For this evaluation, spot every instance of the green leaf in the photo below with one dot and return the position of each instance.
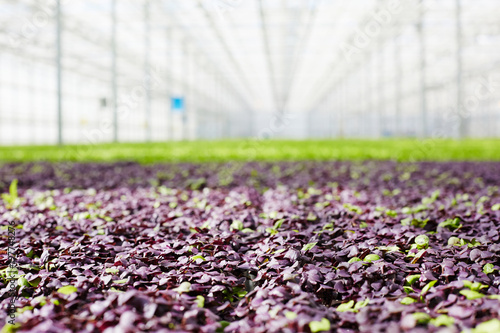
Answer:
(318, 326)
(184, 287)
(390, 249)
(22, 282)
(200, 301)
(113, 289)
(121, 281)
(237, 225)
(490, 326)
(271, 231)
(247, 230)
(67, 290)
(391, 213)
(194, 258)
(422, 242)
(408, 301)
(361, 304)
(239, 292)
(311, 217)
(408, 290)
(474, 286)
(35, 282)
(442, 320)
(406, 221)
(328, 226)
(13, 189)
(12, 198)
(495, 207)
(354, 259)
(9, 273)
(353, 208)
(412, 278)
(473, 243)
(41, 300)
(371, 257)
(9, 328)
(308, 246)
(428, 286)
(421, 317)
(223, 325)
(278, 223)
(26, 308)
(406, 210)
(419, 223)
(471, 294)
(112, 270)
(346, 307)
(451, 224)
(290, 315)
(453, 241)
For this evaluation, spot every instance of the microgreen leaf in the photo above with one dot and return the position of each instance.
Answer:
(371, 257)
(308, 246)
(442, 320)
(471, 294)
(318, 326)
(67, 290)
(408, 301)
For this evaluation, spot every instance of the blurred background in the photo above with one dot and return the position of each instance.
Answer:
(95, 71)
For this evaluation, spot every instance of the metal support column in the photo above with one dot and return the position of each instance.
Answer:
(330, 113)
(398, 85)
(380, 92)
(462, 130)
(423, 76)
(147, 68)
(114, 87)
(371, 93)
(343, 105)
(59, 72)
(191, 93)
(220, 104)
(184, 78)
(170, 83)
(168, 42)
(359, 103)
(365, 108)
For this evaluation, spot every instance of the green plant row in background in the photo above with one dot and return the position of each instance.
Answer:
(262, 150)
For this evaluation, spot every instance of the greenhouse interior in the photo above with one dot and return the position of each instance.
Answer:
(104, 71)
(250, 166)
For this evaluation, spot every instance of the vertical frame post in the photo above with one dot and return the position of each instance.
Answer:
(114, 83)
(458, 20)
(147, 68)
(398, 82)
(423, 76)
(59, 72)
(380, 92)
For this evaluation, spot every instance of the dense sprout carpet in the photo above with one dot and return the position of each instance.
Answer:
(255, 247)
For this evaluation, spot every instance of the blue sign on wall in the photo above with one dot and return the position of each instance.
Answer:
(177, 105)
